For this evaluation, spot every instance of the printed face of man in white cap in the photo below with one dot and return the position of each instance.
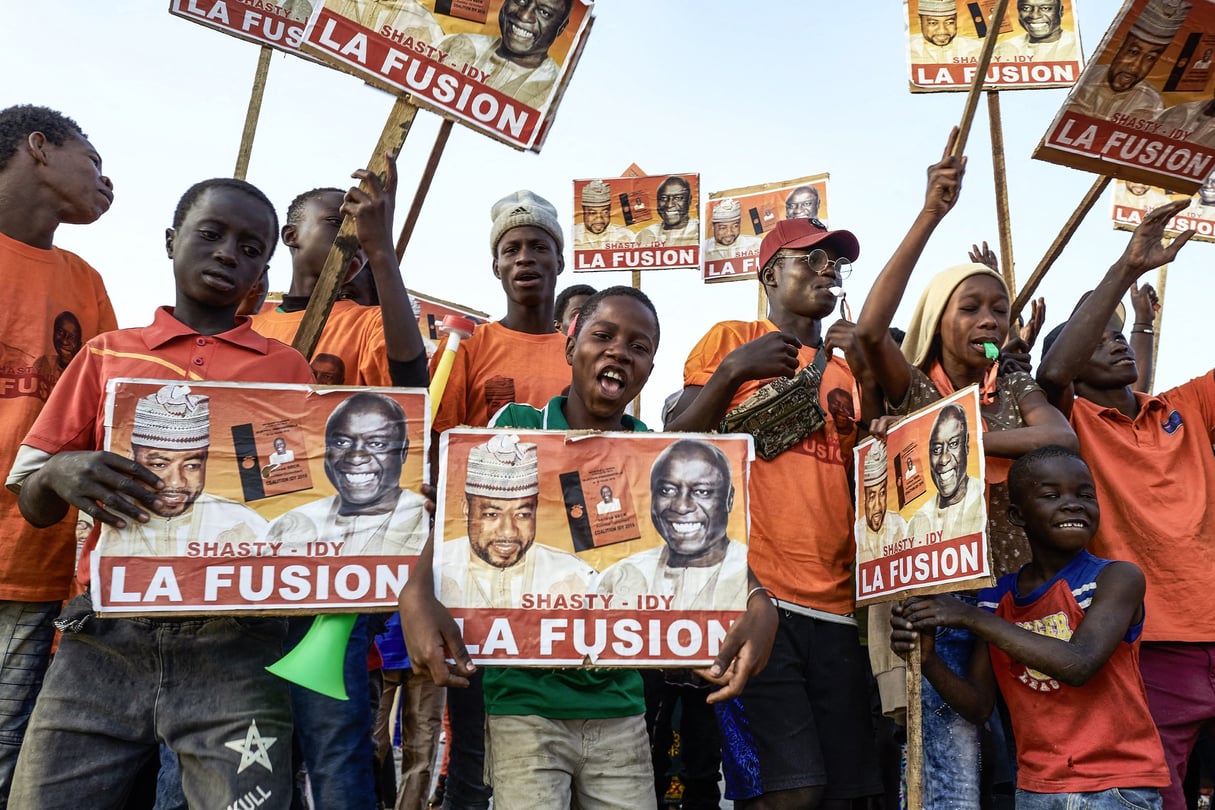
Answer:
(501, 495)
(170, 436)
(875, 487)
(727, 222)
(365, 448)
(1150, 34)
(938, 21)
(596, 206)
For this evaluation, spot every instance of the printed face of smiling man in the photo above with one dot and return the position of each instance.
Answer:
(365, 447)
(948, 449)
(690, 500)
(529, 28)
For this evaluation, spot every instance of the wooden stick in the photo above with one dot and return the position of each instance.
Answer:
(396, 129)
(637, 399)
(1162, 277)
(251, 115)
(761, 302)
(915, 732)
(1056, 247)
(419, 196)
(1003, 220)
(972, 97)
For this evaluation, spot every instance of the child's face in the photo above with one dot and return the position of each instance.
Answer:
(221, 249)
(528, 263)
(1059, 507)
(613, 355)
(73, 170)
(977, 313)
(311, 238)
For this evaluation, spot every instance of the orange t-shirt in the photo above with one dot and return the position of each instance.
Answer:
(1156, 487)
(41, 285)
(498, 366)
(801, 544)
(351, 344)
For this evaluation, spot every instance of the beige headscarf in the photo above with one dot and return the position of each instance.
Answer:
(927, 315)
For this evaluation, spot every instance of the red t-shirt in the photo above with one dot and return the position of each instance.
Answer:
(353, 339)
(74, 417)
(41, 287)
(801, 544)
(1155, 480)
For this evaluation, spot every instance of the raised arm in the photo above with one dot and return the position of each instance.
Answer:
(878, 349)
(1044, 424)
(1075, 344)
(1144, 302)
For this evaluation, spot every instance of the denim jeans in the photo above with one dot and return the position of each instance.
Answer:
(26, 632)
(335, 735)
(1112, 799)
(466, 788)
(119, 687)
(169, 794)
(951, 743)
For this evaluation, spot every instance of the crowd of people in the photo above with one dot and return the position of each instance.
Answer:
(1083, 678)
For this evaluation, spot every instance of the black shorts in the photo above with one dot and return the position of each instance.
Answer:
(808, 712)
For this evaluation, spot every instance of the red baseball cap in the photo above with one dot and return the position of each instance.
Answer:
(804, 233)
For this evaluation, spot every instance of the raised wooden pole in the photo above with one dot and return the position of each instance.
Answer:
(1162, 277)
(976, 86)
(1056, 247)
(396, 129)
(1003, 220)
(915, 731)
(419, 196)
(251, 115)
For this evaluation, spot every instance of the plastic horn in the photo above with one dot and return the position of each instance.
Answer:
(318, 662)
(457, 328)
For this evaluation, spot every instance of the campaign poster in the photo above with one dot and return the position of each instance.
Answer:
(275, 498)
(737, 219)
(431, 312)
(1142, 110)
(497, 66)
(931, 535)
(278, 25)
(1037, 44)
(1133, 201)
(637, 223)
(604, 549)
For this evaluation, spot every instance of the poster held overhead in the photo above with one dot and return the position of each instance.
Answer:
(637, 223)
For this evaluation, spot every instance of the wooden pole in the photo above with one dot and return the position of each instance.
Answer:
(972, 97)
(1003, 220)
(637, 399)
(396, 129)
(1056, 247)
(1162, 277)
(761, 308)
(251, 115)
(915, 732)
(419, 196)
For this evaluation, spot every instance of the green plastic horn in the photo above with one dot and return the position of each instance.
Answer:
(318, 661)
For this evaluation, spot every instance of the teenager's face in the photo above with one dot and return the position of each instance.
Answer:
(365, 449)
(572, 305)
(311, 238)
(221, 248)
(501, 530)
(801, 291)
(1112, 364)
(1059, 507)
(184, 473)
(976, 313)
(613, 355)
(690, 501)
(73, 171)
(528, 263)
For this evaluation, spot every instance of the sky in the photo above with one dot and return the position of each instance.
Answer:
(742, 94)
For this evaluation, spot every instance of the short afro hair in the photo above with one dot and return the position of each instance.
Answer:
(1021, 475)
(295, 211)
(19, 122)
(195, 192)
(619, 291)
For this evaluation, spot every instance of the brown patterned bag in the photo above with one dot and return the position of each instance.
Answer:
(783, 412)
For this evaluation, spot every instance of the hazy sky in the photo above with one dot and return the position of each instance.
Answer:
(743, 94)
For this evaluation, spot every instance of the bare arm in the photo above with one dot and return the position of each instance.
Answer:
(878, 349)
(107, 486)
(972, 696)
(1145, 303)
(1044, 424)
(1075, 345)
(746, 647)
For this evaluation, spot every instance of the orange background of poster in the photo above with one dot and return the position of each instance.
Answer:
(307, 406)
(633, 453)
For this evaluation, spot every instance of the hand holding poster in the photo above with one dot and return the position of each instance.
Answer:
(501, 74)
(609, 549)
(637, 223)
(737, 220)
(935, 541)
(275, 499)
(1141, 109)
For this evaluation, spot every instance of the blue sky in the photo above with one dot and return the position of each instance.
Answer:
(742, 94)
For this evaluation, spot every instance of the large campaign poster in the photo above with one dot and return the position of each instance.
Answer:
(1037, 45)
(1134, 201)
(921, 514)
(646, 222)
(275, 499)
(607, 549)
(277, 25)
(737, 219)
(1142, 110)
(498, 66)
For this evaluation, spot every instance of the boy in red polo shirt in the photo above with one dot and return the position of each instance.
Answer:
(1156, 480)
(119, 687)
